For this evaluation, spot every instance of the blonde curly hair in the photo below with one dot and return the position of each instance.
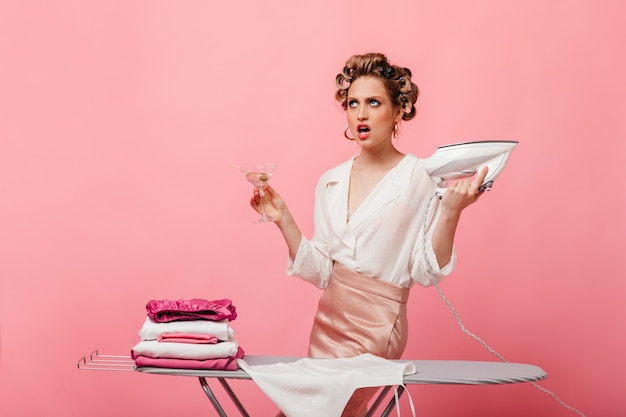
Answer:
(397, 81)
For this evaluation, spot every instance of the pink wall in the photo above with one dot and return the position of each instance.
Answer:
(119, 120)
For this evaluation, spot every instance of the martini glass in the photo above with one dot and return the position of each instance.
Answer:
(259, 175)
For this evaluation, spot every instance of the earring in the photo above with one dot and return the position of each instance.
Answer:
(395, 131)
(345, 133)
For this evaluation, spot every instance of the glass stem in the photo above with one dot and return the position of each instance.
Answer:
(262, 195)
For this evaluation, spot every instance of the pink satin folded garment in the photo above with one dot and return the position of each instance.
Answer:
(187, 338)
(162, 311)
(226, 364)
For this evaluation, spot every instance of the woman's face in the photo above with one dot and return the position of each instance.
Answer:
(371, 114)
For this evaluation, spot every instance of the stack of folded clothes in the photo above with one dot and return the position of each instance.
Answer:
(188, 334)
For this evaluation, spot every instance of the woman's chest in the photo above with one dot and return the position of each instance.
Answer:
(361, 185)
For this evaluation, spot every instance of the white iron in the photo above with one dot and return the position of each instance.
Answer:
(463, 160)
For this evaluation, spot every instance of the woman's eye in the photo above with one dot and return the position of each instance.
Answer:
(352, 103)
(374, 103)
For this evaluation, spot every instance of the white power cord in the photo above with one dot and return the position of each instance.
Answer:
(466, 331)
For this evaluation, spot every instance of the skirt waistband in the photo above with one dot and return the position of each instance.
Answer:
(370, 284)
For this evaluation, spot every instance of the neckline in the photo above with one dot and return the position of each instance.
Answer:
(350, 213)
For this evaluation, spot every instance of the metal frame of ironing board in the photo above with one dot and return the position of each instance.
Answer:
(428, 372)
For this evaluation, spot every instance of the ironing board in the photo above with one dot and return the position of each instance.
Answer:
(428, 372)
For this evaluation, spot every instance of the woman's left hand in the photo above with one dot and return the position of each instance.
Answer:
(463, 193)
(457, 197)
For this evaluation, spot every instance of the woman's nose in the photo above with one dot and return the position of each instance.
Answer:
(362, 113)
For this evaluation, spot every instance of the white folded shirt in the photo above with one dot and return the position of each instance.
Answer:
(174, 350)
(220, 329)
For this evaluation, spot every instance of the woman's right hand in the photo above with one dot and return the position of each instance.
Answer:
(276, 209)
(274, 205)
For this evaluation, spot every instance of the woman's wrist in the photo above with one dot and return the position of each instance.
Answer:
(284, 219)
(449, 216)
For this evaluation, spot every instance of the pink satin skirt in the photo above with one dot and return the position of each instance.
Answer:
(359, 314)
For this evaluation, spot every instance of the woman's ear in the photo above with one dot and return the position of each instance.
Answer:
(399, 113)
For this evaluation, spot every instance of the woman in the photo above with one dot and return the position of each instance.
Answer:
(378, 229)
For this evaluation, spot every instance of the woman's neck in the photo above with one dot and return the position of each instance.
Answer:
(382, 158)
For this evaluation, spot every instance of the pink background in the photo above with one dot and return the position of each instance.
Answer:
(119, 120)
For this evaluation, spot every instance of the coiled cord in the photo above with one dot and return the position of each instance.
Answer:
(469, 333)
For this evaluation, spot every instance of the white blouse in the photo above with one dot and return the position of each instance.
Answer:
(384, 237)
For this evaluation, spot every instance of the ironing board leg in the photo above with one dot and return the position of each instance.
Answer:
(392, 402)
(233, 397)
(209, 393)
(379, 399)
